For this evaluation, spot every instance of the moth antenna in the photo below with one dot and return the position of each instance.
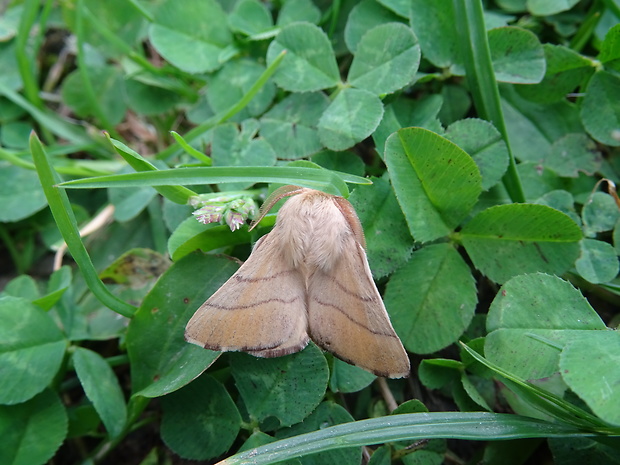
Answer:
(277, 195)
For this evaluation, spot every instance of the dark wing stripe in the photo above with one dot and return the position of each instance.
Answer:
(341, 310)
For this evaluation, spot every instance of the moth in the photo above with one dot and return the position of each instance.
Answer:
(307, 279)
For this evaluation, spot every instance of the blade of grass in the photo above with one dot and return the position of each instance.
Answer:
(21, 265)
(545, 401)
(135, 407)
(176, 194)
(191, 150)
(221, 117)
(334, 15)
(48, 119)
(24, 59)
(118, 43)
(168, 74)
(76, 168)
(320, 179)
(143, 11)
(481, 80)
(65, 220)
(587, 27)
(480, 426)
(83, 67)
(15, 160)
(613, 7)
(158, 226)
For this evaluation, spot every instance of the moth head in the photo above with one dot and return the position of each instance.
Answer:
(275, 197)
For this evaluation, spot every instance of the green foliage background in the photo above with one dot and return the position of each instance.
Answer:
(478, 142)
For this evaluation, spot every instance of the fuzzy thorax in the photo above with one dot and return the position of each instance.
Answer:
(312, 231)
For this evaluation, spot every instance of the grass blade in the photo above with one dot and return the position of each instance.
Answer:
(320, 179)
(546, 401)
(176, 194)
(481, 79)
(220, 118)
(46, 118)
(65, 220)
(478, 426)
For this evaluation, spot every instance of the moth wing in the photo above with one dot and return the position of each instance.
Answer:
(346, 316)
(261, 309)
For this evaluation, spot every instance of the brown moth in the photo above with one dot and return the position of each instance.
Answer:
(307, 279)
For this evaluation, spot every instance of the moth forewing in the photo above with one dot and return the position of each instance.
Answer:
(347, 317)
(348, 212)
(260, 309)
